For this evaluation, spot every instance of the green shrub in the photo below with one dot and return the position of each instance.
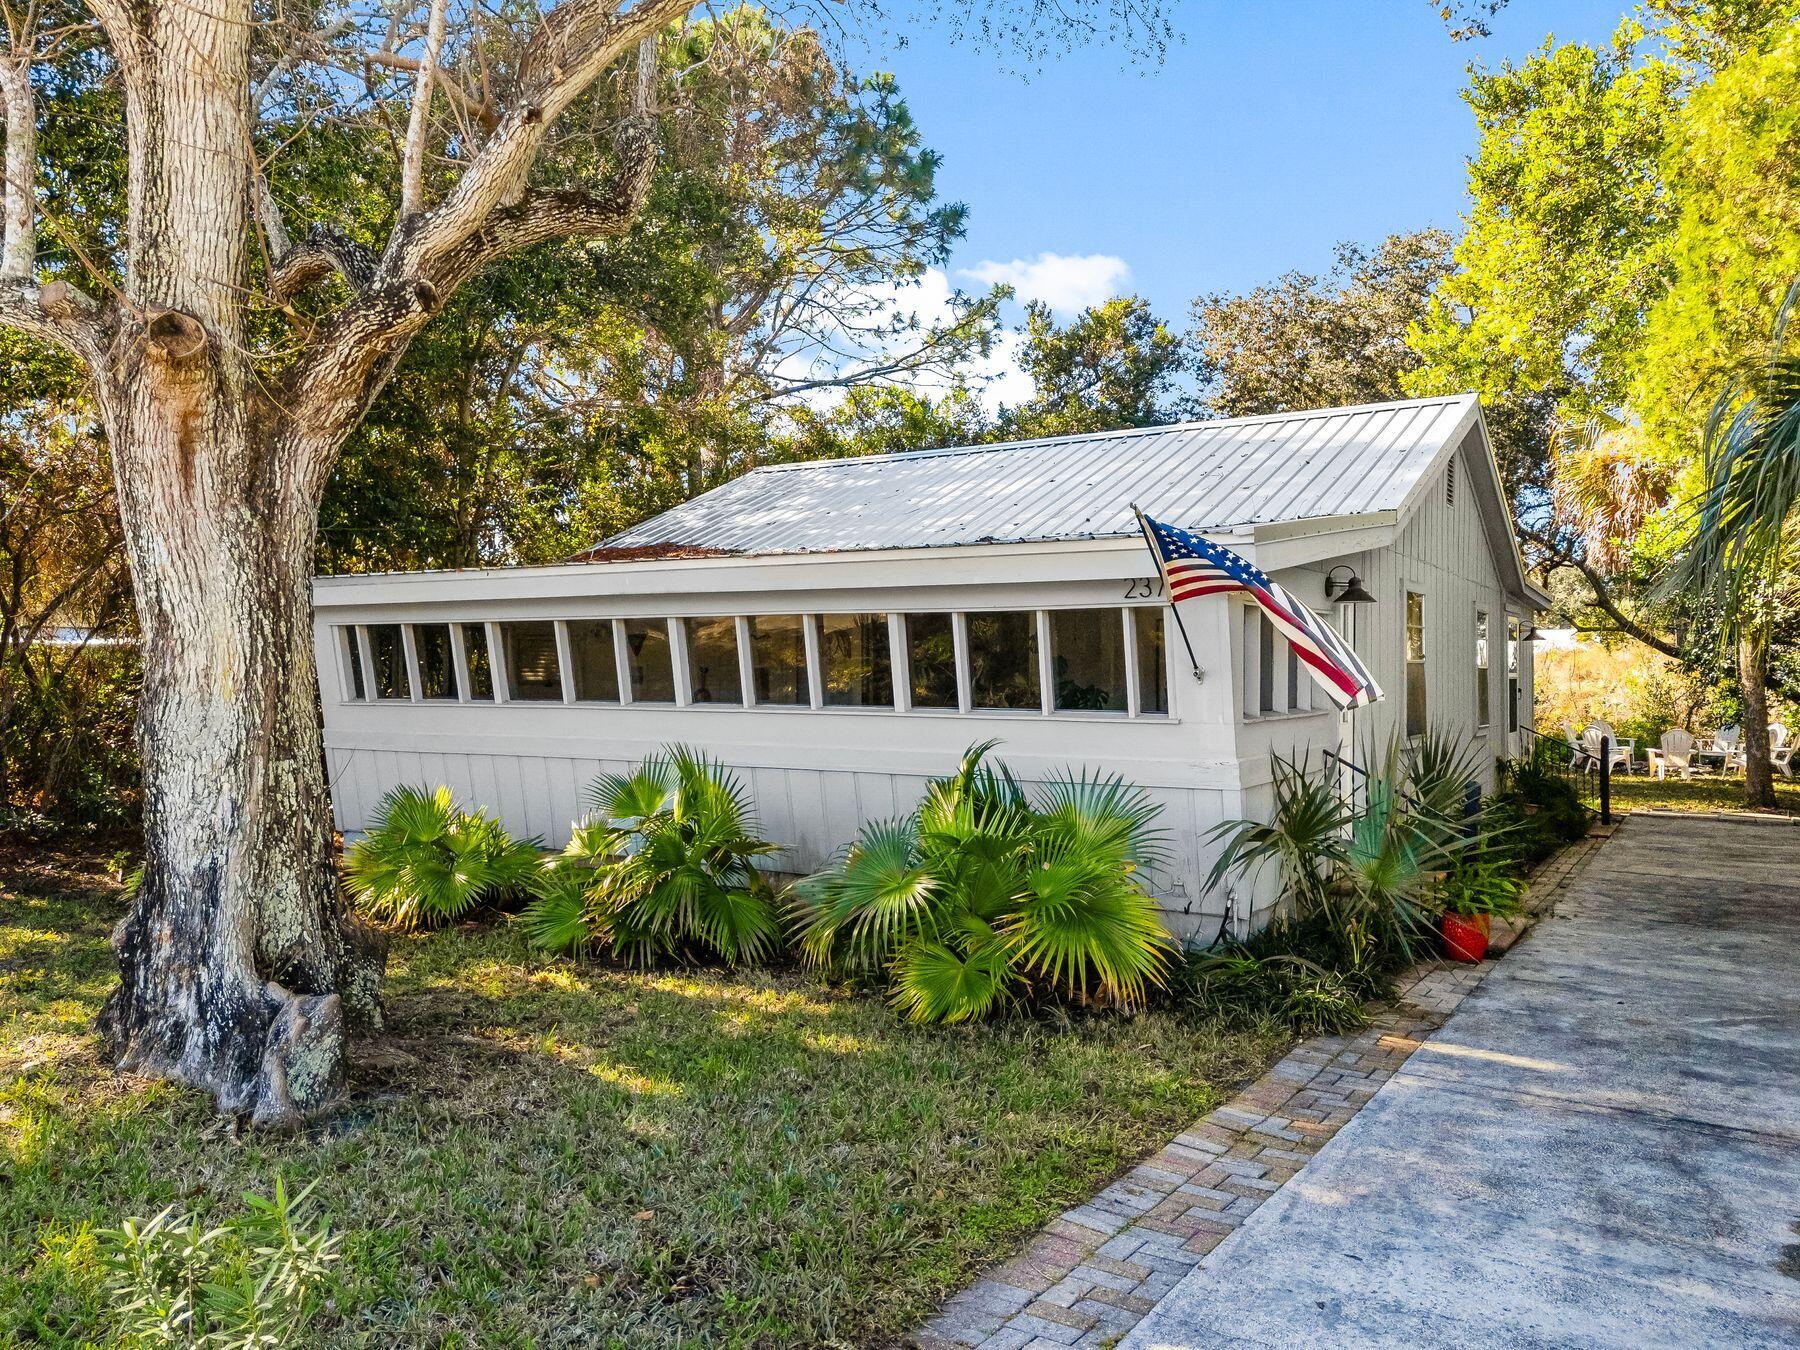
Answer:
(1234, 985)
(662, 867)
(425, 861)
(985, 896)
(253, 1282)
(1538, 804)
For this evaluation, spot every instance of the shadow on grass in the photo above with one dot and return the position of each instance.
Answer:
(550, 1152)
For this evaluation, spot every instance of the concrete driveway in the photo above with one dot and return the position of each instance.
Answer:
(1601, 1147)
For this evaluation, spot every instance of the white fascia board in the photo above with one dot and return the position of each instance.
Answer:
(1075, 560)
(1278, 547)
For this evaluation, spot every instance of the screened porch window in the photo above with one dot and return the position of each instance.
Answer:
(1087, 660)
(1003, 668)
(855, 668)
(475, 655)
(648, 660)
(387, 652)
(532, 672)
(595, 662)
(1415, 664)
(713, 660)
(931, 649)
(437, 664)
(1152, 664)
(359, 688)
(778, 659)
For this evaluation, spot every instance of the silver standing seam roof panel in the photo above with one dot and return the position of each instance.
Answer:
(1220, 476)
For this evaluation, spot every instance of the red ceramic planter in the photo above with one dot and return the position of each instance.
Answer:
(1466, 936)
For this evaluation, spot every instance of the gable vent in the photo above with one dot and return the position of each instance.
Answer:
(1450, 483)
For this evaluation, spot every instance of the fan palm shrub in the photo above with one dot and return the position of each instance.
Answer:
(1370, 874)
(663, 866)
(986, 895)
(426, 861)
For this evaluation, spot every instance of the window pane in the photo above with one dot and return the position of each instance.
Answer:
(1153, 669)
(1295, 680)
(437, 668)
(1087, 659)
(532, 673)
(388, 653)
(1266, 651)
(1415, 664)
(1003, 671)
(713, 660)
(481, 674)
(353, 651)
(647, 657)
(854, 663)
(931, 647)
(596, 665)
(1482, 700)
(778, 659)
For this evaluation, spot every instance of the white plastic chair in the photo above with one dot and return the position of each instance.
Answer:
(1676, 752)
(1730, 740)
(1578, 755)
(1619, 753)
(1780, 752)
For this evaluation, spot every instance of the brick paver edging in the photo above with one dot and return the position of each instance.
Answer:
(1092, 1274)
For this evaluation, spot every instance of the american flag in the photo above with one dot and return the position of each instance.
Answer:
(1193, 567)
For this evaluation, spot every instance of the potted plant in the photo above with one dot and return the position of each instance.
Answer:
(1475, 892)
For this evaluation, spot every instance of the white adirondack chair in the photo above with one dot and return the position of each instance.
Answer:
(1619, 752)
(1780, 752)
(1578, 755)
(1729, 739)
(1676, 752)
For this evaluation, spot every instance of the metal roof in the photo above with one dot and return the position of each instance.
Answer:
(1220, 476)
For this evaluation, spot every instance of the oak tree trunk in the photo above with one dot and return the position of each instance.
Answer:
(240, 971)
(1753, 676)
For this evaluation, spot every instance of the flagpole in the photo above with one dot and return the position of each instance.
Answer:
(1173, 608)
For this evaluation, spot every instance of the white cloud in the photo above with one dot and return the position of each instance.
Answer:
(1066, 284)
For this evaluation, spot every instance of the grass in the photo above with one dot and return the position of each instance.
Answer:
(550, 1154)
(1640, 791)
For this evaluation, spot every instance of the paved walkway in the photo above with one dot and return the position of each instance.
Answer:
(1094, 1272)
(1600, 1147)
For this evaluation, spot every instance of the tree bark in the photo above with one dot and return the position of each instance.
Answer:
(241, 971)
(1753, 675)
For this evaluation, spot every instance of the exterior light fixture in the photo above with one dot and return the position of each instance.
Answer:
(1348, 592)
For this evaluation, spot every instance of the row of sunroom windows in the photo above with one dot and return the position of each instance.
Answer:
(1059, 660)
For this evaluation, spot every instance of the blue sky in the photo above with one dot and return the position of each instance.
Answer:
(1274, 130)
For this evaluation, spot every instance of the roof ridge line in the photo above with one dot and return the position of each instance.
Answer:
(1160, 428)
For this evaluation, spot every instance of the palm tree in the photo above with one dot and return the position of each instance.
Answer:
(1743, 549)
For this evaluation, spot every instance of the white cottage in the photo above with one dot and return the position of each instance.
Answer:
(839, 632)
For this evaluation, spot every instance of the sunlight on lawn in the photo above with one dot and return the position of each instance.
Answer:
(545, 1152)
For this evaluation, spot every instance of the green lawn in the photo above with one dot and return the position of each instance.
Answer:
(1698, 794)
(563, 1155)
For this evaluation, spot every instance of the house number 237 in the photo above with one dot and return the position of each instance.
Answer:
(1144, 588)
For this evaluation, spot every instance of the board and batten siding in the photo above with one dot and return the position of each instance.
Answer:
(1443, 552)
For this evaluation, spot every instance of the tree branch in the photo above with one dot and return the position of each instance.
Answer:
(58, 312)
(418, 127)
(577, 41)
(325, 250)
(18, 255)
